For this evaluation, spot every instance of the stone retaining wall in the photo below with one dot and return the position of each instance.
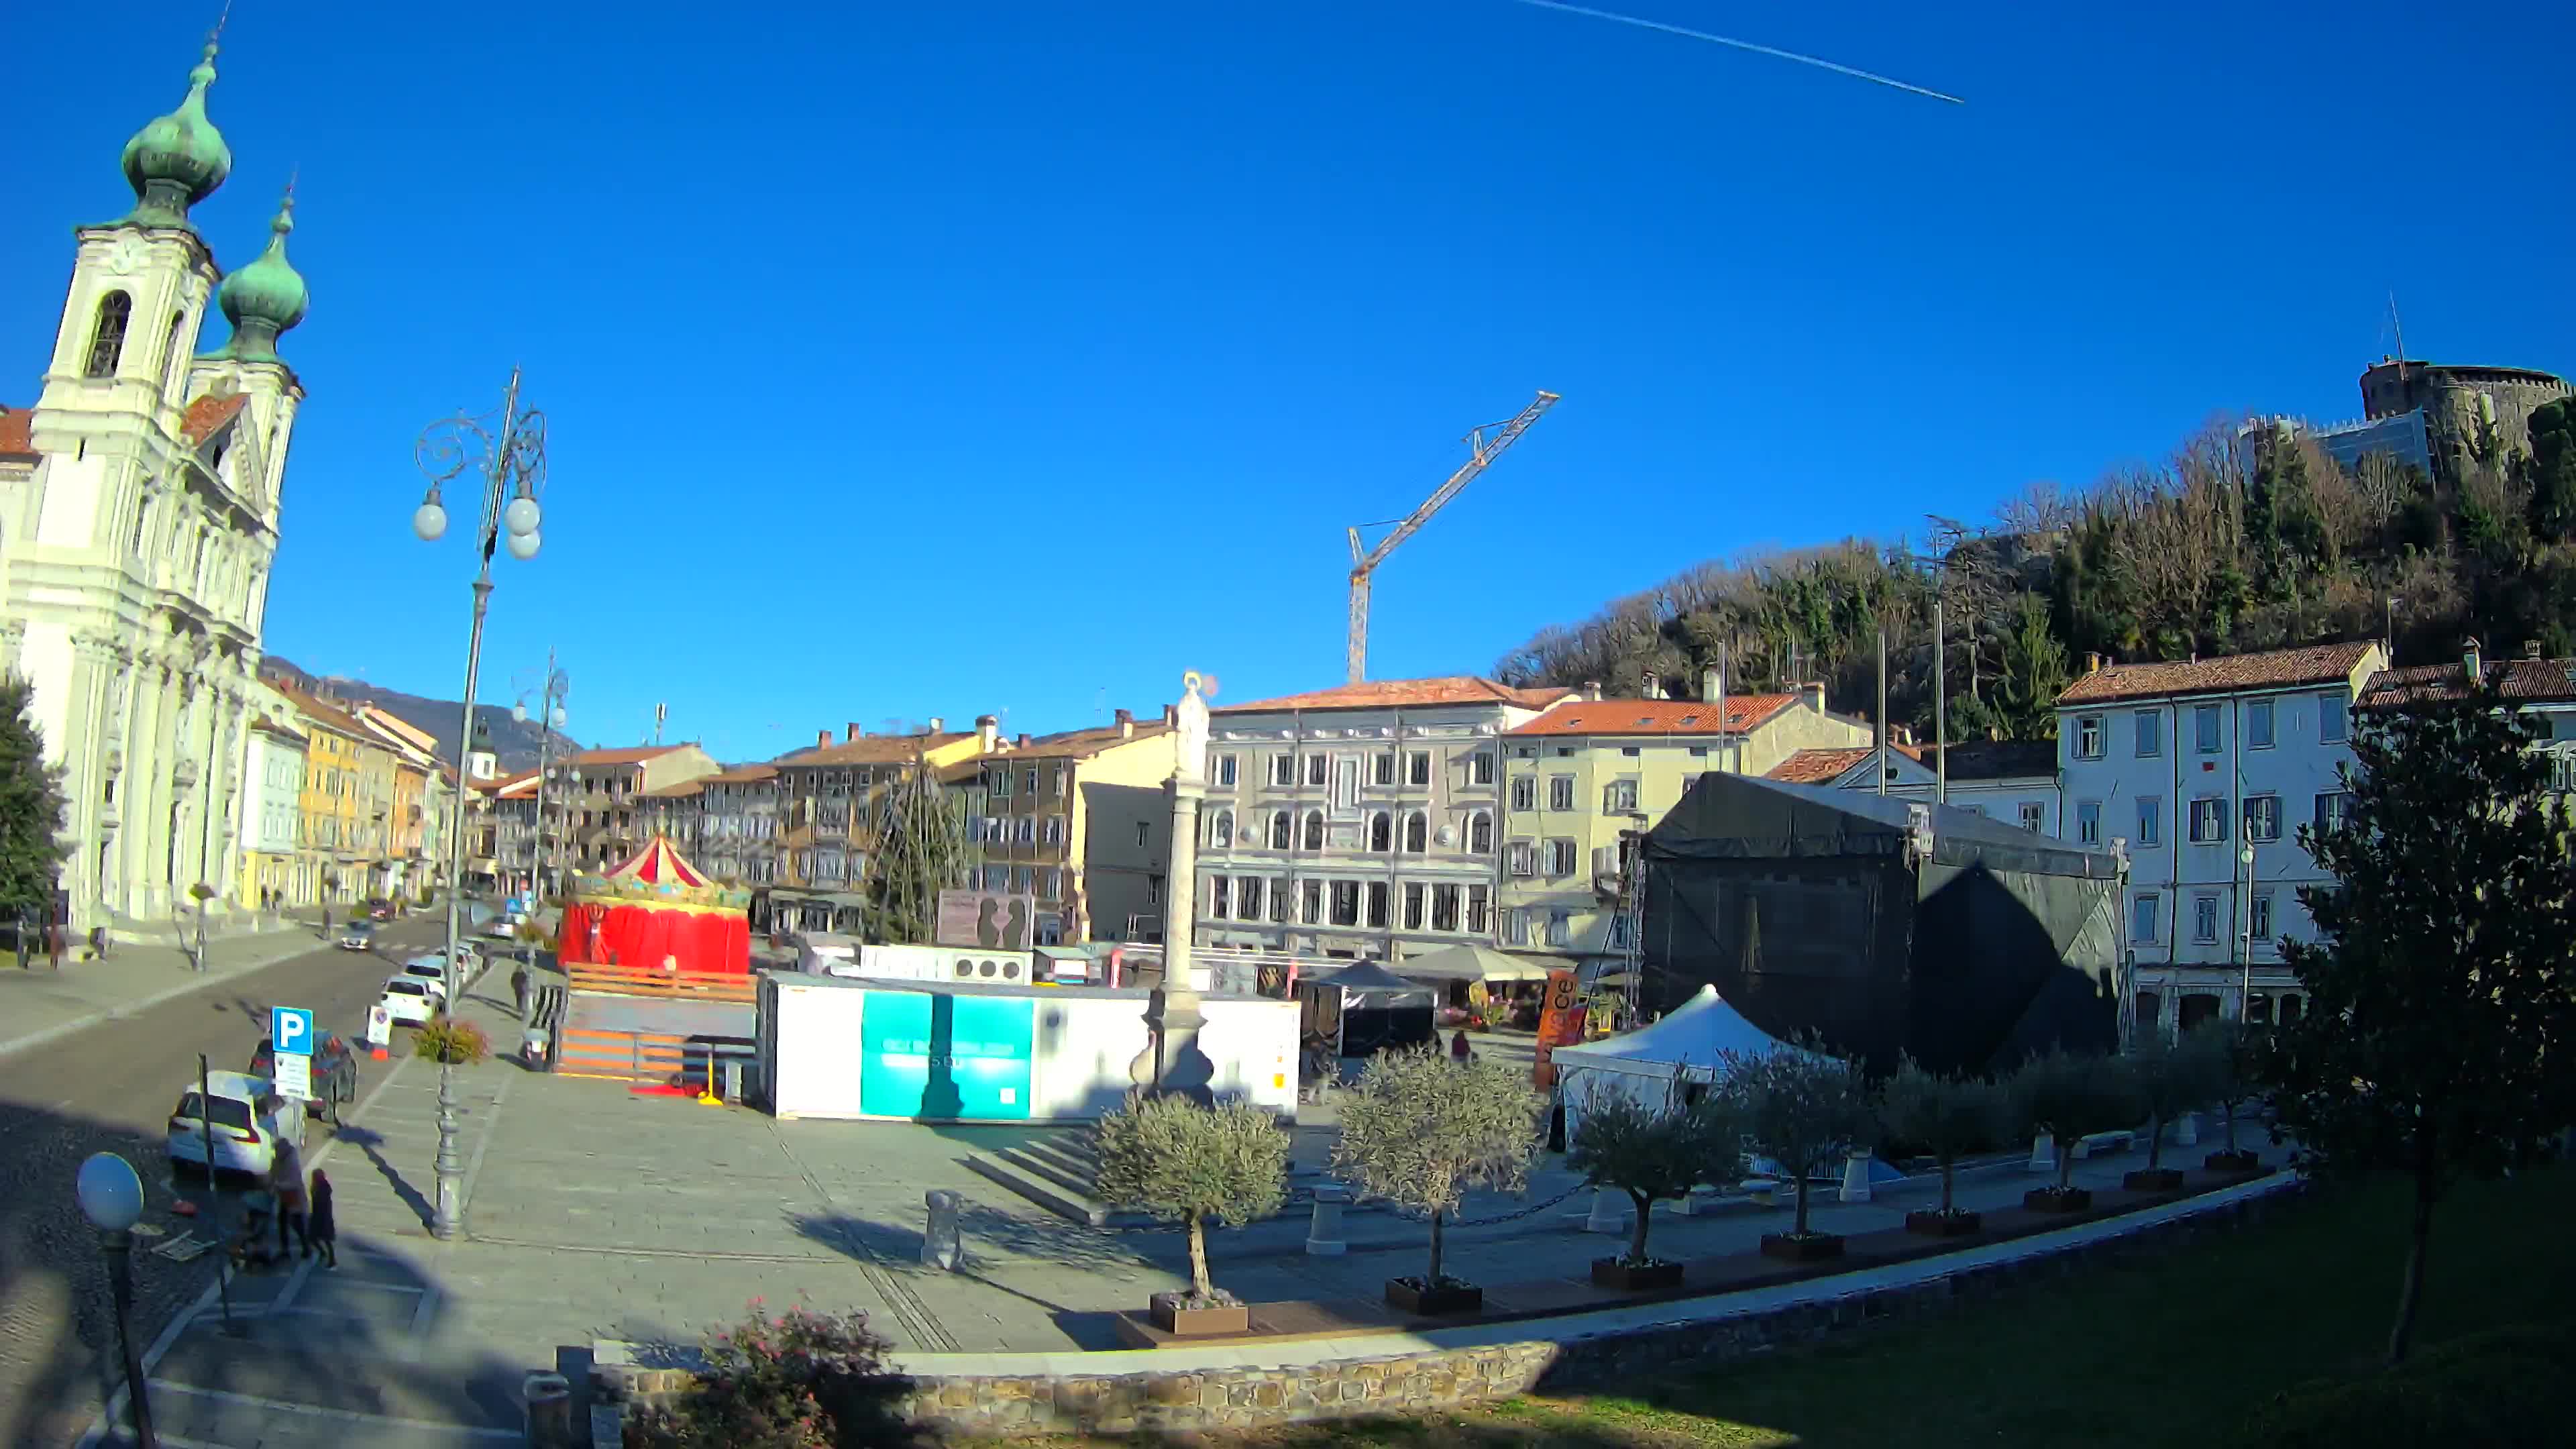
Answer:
(1246, 1398)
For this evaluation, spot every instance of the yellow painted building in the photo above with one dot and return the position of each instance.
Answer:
(345, 773)
(1579, 776)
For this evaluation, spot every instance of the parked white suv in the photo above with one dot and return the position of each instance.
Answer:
(243, 1111)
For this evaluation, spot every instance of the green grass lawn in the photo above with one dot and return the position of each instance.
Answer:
(2173, 1351)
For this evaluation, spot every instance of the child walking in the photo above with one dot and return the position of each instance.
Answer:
(319, 1230)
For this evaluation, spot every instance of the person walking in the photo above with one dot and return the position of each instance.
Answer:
(321, 1232)
(286, 1184)
(519, 988)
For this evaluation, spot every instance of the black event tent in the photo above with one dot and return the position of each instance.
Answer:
(1363, 1009)
(1816, 909)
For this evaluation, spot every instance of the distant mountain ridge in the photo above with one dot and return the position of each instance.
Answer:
(516, 743)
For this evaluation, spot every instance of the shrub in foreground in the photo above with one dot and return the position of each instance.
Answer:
(802, 1380)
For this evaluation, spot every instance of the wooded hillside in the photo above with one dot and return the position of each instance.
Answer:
(2240, 541)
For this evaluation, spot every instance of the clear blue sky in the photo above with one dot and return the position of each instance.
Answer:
(937, 359)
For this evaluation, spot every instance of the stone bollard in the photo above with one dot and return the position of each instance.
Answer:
(2043, 1153)
(1856, 1177)
(2187, 1130)
(549, 1416)
(1324, 1232)
(1608, 1215)
(942, 1246)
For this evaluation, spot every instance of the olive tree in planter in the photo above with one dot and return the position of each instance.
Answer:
(1176, 1159)
(1653, 1153)
(2172, 1078)
(1419, 1130)
(1946, 1117)
(1806, 1111)
(2070, 1098)
(2227, 1059)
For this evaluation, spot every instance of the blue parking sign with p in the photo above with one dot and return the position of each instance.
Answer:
(291, 1028)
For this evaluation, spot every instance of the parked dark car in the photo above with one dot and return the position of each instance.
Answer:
(335, 1071)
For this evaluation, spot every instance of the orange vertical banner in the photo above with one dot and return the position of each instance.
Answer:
(1561, 1021)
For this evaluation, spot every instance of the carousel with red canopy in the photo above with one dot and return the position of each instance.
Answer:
(657, 912)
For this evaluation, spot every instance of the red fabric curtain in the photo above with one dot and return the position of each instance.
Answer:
(641, 936)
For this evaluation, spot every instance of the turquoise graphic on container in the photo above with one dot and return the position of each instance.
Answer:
(943, 1058)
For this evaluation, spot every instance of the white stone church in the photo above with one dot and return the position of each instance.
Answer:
(138, 521)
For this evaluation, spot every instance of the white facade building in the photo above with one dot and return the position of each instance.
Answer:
(2013, 781)
(2207, 769)
(1358, 822)
(138, 519)
(272, 823)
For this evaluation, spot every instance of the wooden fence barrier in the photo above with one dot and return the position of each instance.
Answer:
(713, 986)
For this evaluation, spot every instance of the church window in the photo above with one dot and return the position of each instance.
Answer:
(170, 348)
(107, 338)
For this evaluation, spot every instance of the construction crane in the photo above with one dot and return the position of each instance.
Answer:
(1484, 445)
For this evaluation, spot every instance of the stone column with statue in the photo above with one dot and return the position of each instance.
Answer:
(1172, 1061)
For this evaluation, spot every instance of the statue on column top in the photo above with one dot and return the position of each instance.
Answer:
(1190, 742)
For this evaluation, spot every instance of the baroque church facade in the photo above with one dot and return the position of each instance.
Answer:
(139, 507)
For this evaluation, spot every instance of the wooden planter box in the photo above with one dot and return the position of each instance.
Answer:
(1439, 1302)
(2232, 1162)
(1614, 1274)
(2050, 1200)
(1944, 1225)
(2153, 1179)
(1813, 1248)
(1170, 1315)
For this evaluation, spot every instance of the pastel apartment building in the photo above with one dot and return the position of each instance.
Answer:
(1364, 820)
(1082, 822)
(2206, 769)
(1588, 771)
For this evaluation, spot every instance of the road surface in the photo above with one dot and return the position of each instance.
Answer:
(111, 1088)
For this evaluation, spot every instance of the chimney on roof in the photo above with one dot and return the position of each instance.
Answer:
(1126, 724)
(2530, 648)
(855, 731)
(2092, 662)
(1711, 686)
(1813, 691)
(988, 733)
(1021, 743)
(2472, 662)
(938, 726)
(822, 739)
(1172, 716)
(1592, 690)
(1652, 686)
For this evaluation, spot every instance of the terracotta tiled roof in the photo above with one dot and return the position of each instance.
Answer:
(2279, 669)
(328, 716)
(16, 428)
(1996, 759)
(2535, 681)
(209, 413)
(871, 750)
(635, 756)
(680, 791)
(502, 784)
(1656, 716)
(744, 775)
(1818, 767)
(1083, 744)
(1383, 693)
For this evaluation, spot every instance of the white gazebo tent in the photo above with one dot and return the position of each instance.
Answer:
(1471, 962)
(1687, 1048)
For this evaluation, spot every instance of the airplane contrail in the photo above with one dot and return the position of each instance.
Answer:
(1772, 51)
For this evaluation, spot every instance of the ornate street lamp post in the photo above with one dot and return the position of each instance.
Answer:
(111, 1197)
(505, 455)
